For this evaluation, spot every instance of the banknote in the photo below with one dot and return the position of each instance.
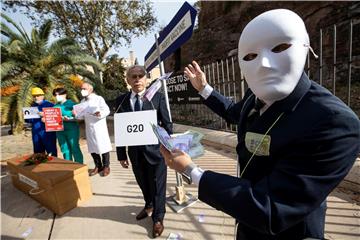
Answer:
(182, 141)
(196, 136)
(163, 136)
(196, 151)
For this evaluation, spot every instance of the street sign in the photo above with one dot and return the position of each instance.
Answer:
(175, 34)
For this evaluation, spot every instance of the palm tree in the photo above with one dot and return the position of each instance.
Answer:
(29, 61)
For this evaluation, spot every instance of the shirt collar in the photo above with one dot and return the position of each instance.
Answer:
(140, 93)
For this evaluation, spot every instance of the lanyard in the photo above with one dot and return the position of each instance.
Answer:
(258, 146)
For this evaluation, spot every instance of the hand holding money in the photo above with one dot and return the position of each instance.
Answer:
(188, 142)
(176, 159)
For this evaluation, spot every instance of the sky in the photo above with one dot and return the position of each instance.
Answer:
(164, 12)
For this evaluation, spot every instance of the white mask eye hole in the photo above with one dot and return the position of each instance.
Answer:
(281, 47)
(250, 56)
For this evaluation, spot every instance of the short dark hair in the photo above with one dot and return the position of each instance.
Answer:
(59, 91)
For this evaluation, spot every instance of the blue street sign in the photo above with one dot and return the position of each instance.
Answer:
(175, 34)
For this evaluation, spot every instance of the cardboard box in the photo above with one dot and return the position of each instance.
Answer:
(59, 185)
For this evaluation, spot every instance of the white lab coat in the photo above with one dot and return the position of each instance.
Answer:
(97, 134)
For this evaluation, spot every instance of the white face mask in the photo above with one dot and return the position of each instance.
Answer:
(84, 93)
(39, 101)
(59, 98)
(272, 53)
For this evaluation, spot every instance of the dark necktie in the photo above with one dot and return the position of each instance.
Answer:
(137, 103)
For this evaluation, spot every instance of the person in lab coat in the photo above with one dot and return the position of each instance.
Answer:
(97, 135)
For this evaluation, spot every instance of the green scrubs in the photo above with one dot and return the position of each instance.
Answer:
(69, 138)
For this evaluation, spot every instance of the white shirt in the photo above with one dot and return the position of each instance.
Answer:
(133, 99)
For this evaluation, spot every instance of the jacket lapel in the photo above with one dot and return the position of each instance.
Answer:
(248, 105)
(126, 103)
(148, 105)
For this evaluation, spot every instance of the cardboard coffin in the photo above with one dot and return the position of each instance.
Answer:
(59, 185)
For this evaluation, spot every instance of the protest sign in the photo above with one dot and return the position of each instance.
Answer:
(181, 91)
(83, 108)
(134, 128)
(31, 112)
(53, 119)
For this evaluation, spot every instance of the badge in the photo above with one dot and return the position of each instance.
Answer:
(258, 142)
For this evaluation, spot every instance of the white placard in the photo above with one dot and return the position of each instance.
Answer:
(31, 112)
(28, 181)
(134, 128)
(83, 108)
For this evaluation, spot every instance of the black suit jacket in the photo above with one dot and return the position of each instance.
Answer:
(313, 146)
(151, 152)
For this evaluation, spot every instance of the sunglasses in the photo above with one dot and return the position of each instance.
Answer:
(135, 76)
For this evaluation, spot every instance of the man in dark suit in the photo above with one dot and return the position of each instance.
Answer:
(147, 163)
(296, 141)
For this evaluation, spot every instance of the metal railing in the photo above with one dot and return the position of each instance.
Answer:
(333, 71)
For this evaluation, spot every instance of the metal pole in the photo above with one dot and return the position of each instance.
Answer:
(350, 62)
(162, 72)
(321, 58)
(334, 62)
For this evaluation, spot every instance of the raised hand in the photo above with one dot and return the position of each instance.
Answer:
(196, 75)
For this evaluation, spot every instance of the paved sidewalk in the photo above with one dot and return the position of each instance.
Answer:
(110, 214)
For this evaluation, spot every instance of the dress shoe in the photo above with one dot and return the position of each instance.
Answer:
(94, 171)
(158, 228)
(146, 212)
(106, 171)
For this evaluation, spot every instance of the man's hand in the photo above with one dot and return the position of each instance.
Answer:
(177, 160)
(41, 114)
(124, 163)
(196, 75)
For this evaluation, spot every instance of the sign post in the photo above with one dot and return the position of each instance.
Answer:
(175, 34)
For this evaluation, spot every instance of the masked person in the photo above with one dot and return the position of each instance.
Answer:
(97, 135)
(296, 141)
(69, 138)
(42, 141)
(147, 163)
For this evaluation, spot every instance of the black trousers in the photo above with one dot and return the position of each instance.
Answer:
(152, 182)
(105, 160)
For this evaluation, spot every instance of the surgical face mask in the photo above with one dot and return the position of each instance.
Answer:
(84, 93)
(272, 53)
(59, 98)
(39, 101)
